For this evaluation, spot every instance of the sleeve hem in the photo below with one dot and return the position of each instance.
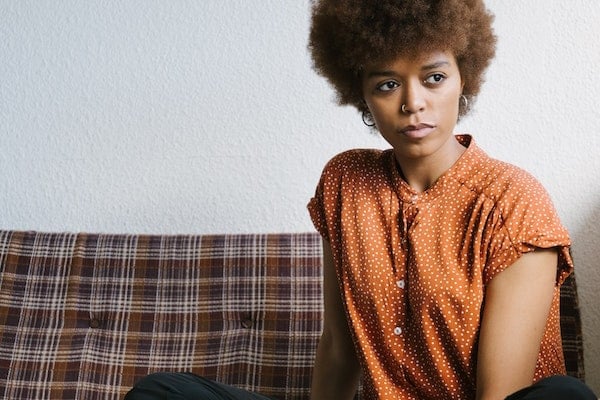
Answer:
(564, 265)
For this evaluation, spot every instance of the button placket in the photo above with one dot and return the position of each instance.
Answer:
(400, 284)
(409, 215)
(407, 220)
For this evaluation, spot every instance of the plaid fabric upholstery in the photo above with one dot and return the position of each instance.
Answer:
(83, 316)
(570, 325)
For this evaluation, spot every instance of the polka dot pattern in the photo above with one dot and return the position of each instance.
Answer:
(413, 267)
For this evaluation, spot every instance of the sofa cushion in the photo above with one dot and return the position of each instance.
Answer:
(84, 316)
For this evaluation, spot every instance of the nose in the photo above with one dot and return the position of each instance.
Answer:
(414, 98)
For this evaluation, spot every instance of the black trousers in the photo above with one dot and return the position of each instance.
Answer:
(185, 386)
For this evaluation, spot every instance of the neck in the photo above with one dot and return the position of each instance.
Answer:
(422, 173)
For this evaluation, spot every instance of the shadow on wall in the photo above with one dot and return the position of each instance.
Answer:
(586, 254)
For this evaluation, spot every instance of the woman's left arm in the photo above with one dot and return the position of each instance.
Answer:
(516, 307)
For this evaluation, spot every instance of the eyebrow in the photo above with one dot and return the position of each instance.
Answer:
(435, 65)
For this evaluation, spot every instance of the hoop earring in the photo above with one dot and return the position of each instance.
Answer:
(367, 119)
(465, 101)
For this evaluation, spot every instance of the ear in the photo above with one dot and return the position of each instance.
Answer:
(364, 107)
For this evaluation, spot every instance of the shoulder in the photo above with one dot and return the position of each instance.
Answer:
(519, 205)
(358, 157)
(357, 162)
(503, 182)
(344, 176)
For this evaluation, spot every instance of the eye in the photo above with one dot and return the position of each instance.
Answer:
(387, 86)
(435, 79)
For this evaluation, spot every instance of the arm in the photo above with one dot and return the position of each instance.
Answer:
(336, 372)
(517, 303)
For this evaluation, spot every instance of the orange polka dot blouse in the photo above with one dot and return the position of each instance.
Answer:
(413, 267)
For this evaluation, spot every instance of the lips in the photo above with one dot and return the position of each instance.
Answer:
(417, 131)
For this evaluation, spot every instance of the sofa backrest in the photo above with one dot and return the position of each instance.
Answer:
(84, 316)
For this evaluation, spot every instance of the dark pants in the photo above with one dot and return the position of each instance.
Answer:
(185, 386)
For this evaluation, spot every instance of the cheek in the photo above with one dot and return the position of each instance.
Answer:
(384, 109)
(384, 120)
(450, 107)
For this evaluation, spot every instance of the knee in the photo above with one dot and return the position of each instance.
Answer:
(153, 386)
(155, 380)
(566, 387)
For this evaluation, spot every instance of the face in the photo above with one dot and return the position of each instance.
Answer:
(415, 102)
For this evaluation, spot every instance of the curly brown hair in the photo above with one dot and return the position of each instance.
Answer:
(345, 35)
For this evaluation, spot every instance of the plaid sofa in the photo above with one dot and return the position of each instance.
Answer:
(84, 316)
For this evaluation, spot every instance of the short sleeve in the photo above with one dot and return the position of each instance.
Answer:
(316, 209)
(326, 193)
(523, 220)
(324, 206)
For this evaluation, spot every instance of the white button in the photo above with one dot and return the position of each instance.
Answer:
(400, 283)
(397, 331)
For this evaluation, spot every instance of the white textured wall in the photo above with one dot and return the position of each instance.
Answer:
(205, 117)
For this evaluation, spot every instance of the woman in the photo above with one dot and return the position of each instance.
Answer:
(442, 266)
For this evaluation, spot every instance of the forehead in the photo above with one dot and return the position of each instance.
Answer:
(418, 61)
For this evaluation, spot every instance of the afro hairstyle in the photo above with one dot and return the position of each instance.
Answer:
(345, 35)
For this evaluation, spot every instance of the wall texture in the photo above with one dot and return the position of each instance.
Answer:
(205, 116)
